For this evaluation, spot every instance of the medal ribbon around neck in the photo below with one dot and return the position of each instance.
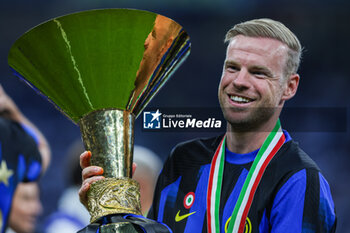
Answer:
(271, 145)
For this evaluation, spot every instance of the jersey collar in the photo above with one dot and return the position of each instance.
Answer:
(238, 159)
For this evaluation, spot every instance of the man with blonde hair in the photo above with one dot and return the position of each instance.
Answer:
(254, 178)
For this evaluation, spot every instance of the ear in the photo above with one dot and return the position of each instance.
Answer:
(167, 45)
(291, 87)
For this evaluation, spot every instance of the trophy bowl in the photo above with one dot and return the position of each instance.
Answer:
(100, 68)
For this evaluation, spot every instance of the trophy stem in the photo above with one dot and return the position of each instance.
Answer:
(108, 134)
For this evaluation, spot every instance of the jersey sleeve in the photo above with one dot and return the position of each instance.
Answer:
(303, 204)
(153, 212)
(164, 186)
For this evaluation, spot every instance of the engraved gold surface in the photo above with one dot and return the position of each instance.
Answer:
(114, 196)
(121, 227)
(109, 135)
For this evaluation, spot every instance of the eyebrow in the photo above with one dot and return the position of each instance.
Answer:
(231, 63)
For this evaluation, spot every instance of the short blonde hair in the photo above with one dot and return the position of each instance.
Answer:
(269, 28)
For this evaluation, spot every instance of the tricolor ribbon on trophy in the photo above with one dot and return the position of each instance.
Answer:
(101, 68)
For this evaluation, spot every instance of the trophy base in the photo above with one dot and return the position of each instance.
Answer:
(113, 196)
(120, 227)
(125, 223)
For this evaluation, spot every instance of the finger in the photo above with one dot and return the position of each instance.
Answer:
(83, 194)
(134, 166)
(89, 181)
(85, 188)
(85, 159)
(91, 171)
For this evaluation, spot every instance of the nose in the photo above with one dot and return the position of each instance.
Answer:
(147, 41)
(241, 80)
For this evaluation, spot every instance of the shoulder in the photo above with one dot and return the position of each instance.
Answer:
(292, 158)
(196, 149)
(292, 169)
(190, 155)
(294, 186)
(289, 166)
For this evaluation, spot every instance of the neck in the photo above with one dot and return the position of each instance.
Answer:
(245, 142)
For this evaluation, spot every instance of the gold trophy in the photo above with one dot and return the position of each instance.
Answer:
(100, 68)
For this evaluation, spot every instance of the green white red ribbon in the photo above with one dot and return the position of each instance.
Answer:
(271, 145)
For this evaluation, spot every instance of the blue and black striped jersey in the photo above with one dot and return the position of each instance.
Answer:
(292, 196)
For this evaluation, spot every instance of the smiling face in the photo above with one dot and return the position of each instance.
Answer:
(253, 88)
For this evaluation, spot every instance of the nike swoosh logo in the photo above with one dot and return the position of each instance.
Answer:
(178, 218)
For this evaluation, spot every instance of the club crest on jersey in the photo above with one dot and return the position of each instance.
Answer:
(247, 228)
(189, 200)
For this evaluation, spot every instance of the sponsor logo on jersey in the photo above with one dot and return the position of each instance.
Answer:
(188, 202)
(247, 228)
(179, 217)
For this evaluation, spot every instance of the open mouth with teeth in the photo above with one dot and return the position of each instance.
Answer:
(239, 99)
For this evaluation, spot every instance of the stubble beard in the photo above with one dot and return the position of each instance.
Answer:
(252, 122)
(251, 119)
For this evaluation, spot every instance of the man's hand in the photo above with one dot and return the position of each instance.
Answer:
(90, 174)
